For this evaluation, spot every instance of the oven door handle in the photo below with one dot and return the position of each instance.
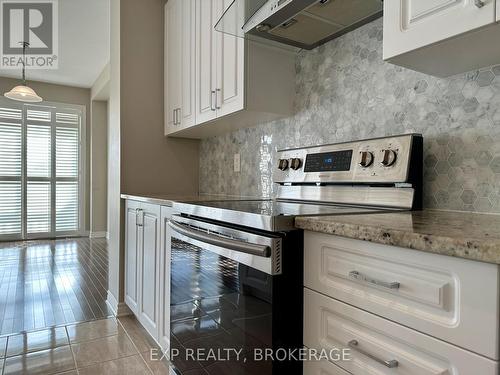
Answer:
(243, 247)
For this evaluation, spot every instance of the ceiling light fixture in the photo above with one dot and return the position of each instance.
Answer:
(23, 93)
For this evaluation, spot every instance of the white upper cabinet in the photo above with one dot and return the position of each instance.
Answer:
(237, 83)
(206, 61)
(440, 37)
(179, 64)
(230, 54)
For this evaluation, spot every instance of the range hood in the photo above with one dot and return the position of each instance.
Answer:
(304, 24)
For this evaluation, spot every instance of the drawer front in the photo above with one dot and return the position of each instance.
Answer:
(431, 293)
(330, 324)
(322, 368)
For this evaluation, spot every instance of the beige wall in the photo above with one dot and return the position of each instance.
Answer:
(141, 159)
(68, 95)
(151, 163)
(99, 168)
(115, 252)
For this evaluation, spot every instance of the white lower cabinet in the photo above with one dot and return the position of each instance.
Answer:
(431, 293)
(322, 368)
(142, 263)
(379, 346)
(398, 311)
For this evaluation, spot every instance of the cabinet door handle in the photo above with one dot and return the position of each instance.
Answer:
(139, 217)
(173, 117)
(363, 278)
(479, 3)
(391, 363)
(218, 91)
(212, 100)
(178, 110)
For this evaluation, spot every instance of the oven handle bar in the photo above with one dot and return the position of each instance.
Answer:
(243, 247)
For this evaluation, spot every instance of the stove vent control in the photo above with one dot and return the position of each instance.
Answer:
(295, 163)
(283, 164)
(389, 157)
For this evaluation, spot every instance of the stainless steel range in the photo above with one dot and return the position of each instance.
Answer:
(237, 265)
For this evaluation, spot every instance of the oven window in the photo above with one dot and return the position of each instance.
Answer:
(221, 307)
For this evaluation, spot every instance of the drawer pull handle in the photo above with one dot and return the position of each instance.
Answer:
(360, 277)
(392, 363)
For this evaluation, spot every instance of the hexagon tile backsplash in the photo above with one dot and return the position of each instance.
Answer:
(345, 91)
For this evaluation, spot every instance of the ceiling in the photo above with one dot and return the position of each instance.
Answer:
(83, 44)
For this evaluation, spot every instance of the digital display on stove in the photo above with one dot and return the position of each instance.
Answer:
(338, 161)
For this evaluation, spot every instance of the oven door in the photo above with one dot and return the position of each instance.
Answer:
(225, 301)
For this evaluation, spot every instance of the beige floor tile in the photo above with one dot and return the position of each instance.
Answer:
(72, 372)
(92, 330)
(139, 336)
(3, 346)
(45, 362)
(133, 365)
(158, 367)
(103, 349)
(36, 341)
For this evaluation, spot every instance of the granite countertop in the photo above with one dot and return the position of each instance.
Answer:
(465, 235)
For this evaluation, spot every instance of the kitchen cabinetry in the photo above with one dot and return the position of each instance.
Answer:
(237, 82)
(179, 64)
(421, 312)
(142, 263)
(441, 37)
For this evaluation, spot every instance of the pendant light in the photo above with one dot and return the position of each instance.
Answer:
(23, 93)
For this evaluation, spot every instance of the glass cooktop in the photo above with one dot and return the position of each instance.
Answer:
(281, 208)
(270, 215)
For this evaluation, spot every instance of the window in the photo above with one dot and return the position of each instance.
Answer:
(41, 187)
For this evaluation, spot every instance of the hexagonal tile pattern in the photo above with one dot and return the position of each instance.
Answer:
(470, 105)
(485, 78)
(483, 157)
(344, 91)
(468, 196)
(495, 164)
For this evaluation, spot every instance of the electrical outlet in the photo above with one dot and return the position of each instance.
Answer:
(237, 162)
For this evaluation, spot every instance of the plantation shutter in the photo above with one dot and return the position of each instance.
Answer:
(10, 171)
(40, 170)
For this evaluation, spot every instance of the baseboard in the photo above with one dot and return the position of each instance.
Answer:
(98, 235)
(117, 308)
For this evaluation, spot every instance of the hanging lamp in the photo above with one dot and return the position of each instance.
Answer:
(23, 93)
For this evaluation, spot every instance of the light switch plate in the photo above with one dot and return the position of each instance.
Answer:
(237, 162)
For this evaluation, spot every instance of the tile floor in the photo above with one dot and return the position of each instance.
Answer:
(107, 346)
(51, 283)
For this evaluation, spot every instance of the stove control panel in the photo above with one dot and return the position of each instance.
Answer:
(380, 160)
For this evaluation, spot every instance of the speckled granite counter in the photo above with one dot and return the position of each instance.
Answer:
(465, 235)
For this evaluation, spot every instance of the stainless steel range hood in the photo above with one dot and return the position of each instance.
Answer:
(300, 23)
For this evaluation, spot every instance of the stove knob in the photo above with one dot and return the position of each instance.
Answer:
(366, 159)
(283, 164)
(389, 158)
(295, 163)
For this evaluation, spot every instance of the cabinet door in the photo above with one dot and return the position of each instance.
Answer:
(131, 256)
(206, 72)
(186, 115)
(411, 24)
(230, 69)
(498, 10)
(165, 255)
(149, 273)
(173, 53)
